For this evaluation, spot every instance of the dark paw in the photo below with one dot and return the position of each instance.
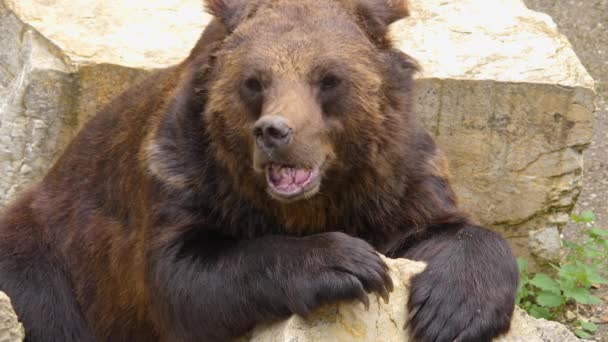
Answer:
(339, 268)
(448, 305)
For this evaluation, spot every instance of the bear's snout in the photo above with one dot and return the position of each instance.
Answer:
(272, 132)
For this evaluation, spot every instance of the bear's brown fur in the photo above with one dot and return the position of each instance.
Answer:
(255, 180)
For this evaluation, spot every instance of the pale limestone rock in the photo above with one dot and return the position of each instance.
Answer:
(501, 90)
(525, 328)
(508, 100)
(44, 96)
(36, 98)
(499, 40)
(10, 328)
(384, 322)
(545, 244)
(134, 33)
(350, 321)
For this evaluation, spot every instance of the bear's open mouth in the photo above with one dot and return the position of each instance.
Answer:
(290, 182)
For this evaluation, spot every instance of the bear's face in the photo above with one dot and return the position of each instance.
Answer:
(297, 96)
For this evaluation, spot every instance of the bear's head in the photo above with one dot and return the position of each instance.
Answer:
(308, 97)
(299, 109)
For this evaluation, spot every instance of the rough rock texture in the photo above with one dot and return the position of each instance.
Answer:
(384, 322)
(36, 98)
(10, 328)
(545, 245)
(510, 103)
(501, 90)
(134, 33)
(587, 30)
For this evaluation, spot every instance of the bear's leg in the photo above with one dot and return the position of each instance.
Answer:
(35, 281)
(215, 289)
(467, 292)
(42, 298)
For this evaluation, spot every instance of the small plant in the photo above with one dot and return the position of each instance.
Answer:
(547, 296)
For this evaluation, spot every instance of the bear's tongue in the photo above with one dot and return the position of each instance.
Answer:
(287, 178)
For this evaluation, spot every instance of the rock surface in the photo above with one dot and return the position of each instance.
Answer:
(36, 97)
(134, 33)
(384, 322)
(545, 244)
(509, 102)
(501, 90)
(10, 328)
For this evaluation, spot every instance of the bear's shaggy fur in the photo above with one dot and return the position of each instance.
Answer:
(255, 180)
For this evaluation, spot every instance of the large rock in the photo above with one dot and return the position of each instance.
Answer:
(384, 322)
(10, 328)
(510, 103)
(501, 90)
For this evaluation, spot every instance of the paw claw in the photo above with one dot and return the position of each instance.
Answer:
(365, 301)
(384, 294)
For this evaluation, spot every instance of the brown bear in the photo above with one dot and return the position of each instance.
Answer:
(255, 180)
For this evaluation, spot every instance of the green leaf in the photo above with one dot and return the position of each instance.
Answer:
(556, 267)
(581, 295)
(571, 271)
(595, 278)
(549, 299)
(589, 326)
(527, 305)
(598, 232)
(538, 312)
(587, 216)
(578, 294)
(522, 264)
(582, 334)
(544, 282)
(593, 300)
(576, 218)
(592, 253)
(568, 244)
(521, 293)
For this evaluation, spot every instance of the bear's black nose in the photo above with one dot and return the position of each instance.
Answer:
(272, 132)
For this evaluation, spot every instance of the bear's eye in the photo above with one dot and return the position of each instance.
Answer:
(329, 82)
(254, 85)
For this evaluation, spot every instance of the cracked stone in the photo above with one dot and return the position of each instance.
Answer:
(10, 328)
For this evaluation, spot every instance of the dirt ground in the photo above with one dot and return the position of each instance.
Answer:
(585, 23)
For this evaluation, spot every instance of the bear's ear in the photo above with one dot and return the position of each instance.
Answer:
(376, 15)
(230, 12)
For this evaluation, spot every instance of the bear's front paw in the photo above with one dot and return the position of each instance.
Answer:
(446, 306)
(343, 268)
